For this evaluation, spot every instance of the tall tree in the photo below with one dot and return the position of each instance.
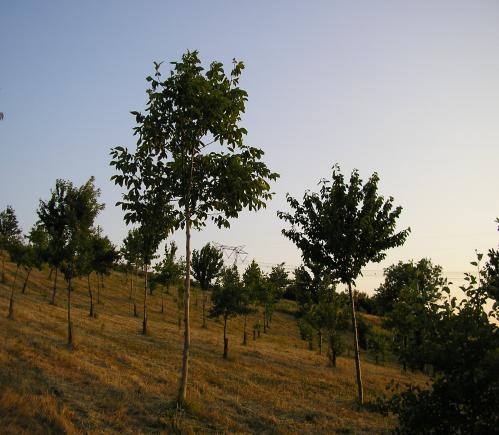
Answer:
(206, 265)
(9, 233)
(344, 227)
(228, 300)
(185, 114)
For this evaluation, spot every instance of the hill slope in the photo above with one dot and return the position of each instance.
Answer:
(117, 380)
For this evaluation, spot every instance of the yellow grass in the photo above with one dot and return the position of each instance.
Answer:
(119, 381)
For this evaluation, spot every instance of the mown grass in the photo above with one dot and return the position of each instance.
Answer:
(116, 380)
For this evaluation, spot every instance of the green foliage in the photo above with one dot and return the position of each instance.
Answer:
(378, 342)
(228, 297)
(68, 217)
(423, 277)
(173, 178)
(464, 350)
(171, 168)
(344, 226)
(206, 265)
(320, 307)
(412, 292)
(9, 227)
(169, 271)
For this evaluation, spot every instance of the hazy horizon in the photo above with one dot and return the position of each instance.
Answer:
(408, 90)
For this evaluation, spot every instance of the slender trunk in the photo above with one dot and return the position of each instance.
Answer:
(11, 302)
(264, 321)
(204, 307)
(131, 288)
(245, 334)
(162, 301)
(187, 331)
(98, 290)
(254, 334)
(356, 346)
(144, 321)
(3, 267)
(404, 344)
(55, 287)
(50, 274)
(70, 325)
(182, 392)
(91, 314)
(311, 343)
(25, 284)
(226, 340)
(320, 342)
(334, 358)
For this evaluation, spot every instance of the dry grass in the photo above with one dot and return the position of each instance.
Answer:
(117, 380)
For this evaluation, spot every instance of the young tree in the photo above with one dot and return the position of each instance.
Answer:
(76, 211)
(228, 300)
(463, 397)
(186, 112)
(169, 271)
(344, 227)
(408, 299)
(206, 265)
(36, 254)
(9, 233)
(53, 217)
(18, 252)
(254, 285)
(130, 253)
(276, 282)
(423, 276)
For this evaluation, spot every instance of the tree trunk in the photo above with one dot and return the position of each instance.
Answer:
(25, 284)
(226, 340)
(162, 301)
(254, 334)
(144, 321)
(204, 307)
(55, 287)
(98, 290)
(11, 302)
(404, 362)
(50, 274)
(356, 346)
(187, 289)
(70, 325)
(264, 321)
(91, 314)
(320, 342)
(245, 334)
(3, 267)
(333, 358)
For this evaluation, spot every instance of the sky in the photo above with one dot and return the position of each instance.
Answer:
(407, 89)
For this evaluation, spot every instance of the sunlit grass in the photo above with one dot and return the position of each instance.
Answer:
(117, 380)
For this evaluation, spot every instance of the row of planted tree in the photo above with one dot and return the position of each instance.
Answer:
(191, 165)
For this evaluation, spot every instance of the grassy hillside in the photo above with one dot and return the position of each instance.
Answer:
(117, 380)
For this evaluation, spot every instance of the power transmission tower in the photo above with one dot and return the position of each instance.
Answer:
(235, 252)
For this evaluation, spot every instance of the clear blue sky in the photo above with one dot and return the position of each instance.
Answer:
(408, 89)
